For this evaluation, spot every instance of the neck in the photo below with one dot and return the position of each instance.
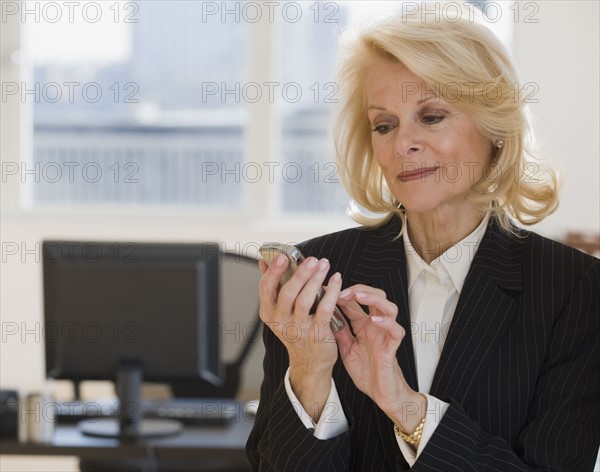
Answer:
(434, 232)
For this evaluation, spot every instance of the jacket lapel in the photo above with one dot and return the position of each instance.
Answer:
(484, 311)
(383, 265)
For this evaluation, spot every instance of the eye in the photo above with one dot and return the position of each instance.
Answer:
(431, 119)
(382, 129)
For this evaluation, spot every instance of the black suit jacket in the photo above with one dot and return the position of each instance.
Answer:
(520, 367)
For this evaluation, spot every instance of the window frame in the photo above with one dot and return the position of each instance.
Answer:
(260, 206)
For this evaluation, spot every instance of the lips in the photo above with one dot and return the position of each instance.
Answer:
(416, 174)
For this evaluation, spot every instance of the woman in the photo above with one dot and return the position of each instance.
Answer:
(471, 344)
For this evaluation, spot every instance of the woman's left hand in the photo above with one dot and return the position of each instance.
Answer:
(370, 355)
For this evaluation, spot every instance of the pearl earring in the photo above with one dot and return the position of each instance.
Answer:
(499, 143)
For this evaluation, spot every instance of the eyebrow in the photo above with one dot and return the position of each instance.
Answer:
(428, 98)
(423, 100)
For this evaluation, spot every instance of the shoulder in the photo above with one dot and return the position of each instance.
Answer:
(549, 264)
(348, 240)
(341, 245)
(556, 257)
(344, 248)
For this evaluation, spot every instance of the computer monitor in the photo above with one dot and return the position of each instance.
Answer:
(130, 310)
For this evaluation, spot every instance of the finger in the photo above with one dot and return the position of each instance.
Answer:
(313, 287)
(262, 265)
(382, 335)
(269, 283)
(352, 309)
(328, 302)
(394, 331)
(291, 289)
(367, 289)
(374, 300)
(345, 340)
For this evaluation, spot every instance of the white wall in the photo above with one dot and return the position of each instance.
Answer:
(560, 53)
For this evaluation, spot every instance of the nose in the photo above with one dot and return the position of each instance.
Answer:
(408, 141)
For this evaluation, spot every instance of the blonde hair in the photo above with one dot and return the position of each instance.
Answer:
(462, 59)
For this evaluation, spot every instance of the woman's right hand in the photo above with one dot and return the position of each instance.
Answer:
(308, 338)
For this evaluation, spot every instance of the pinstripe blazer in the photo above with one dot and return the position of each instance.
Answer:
(520, 367)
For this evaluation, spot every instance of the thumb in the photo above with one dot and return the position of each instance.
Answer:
(345, 340)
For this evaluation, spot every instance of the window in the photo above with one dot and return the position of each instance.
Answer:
(202, 105)
(127, 108)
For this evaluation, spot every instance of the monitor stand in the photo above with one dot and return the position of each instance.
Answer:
(130, 424)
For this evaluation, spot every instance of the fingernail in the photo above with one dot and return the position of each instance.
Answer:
(323, 264)
(377, 319)
(345, 293)
(360, 295)
(312, 263)
(337, 277)
(280, 260)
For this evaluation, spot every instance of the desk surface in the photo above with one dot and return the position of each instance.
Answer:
(195, 443)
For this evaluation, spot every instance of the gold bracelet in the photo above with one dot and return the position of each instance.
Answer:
(413, 438)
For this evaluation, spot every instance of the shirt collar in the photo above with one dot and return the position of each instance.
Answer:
(454, 263)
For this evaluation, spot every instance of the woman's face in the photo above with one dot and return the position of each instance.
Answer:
(428, 149)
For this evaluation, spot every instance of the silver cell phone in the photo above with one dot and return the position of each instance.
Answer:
(270, 251)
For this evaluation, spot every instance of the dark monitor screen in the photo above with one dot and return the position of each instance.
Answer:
(154, 304)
